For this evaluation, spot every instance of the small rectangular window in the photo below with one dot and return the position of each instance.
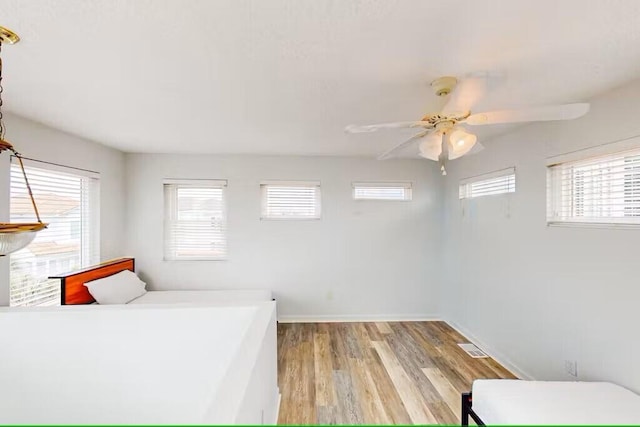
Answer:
(195, 224)
(382, 191)
(599, 190)
(498, 182)
(290, 200)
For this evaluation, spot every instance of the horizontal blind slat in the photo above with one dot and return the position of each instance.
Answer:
(501, 184)
(603, 189)
(69, 203)
(195, 220)
(382, 191)
(290, 201)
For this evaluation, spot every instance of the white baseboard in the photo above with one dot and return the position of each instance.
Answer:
(333, 318)
(277, 414)
(496, 355)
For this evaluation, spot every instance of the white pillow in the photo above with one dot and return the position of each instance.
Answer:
(118, 288)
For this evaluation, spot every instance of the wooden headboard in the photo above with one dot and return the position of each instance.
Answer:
(72, 289)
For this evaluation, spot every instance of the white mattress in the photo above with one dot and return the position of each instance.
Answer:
(554, 402)
(178, 364)
(203, 297)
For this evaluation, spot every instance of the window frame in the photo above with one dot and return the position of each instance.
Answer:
(87, 222)
(465, 186)
(264, 185)
(407, 186)
(604, 154)
(173, 185)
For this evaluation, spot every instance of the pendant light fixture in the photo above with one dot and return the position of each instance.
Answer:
(15, 236)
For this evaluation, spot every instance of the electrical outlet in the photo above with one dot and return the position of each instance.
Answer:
(571, 367)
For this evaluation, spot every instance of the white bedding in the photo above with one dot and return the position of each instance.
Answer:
(150, 364)
(203, 297)
(554, 402)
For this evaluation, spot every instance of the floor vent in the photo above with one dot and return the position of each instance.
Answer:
(473, 351)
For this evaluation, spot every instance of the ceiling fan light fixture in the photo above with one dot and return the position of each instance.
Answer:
(460, 143)
(431, 146)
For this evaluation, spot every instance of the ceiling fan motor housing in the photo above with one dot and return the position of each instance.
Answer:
(444, 125)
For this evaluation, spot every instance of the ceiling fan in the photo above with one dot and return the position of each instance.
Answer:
(442, 135)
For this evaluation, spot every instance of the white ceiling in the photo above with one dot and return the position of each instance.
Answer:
(286, 76)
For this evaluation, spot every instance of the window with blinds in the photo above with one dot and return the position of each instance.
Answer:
(195, 223)
(498, 182)
(382, 191)
(290, 200)
(69, 200)
(598, 190)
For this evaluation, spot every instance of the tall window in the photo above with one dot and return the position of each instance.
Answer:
(68, 199)
(195, 222)
(498, 182)
(290, 200)
(600, 190)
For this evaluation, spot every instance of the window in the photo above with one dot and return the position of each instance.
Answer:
(290, 200)
(599, 190)
(499, 182)
(68, 199)
(195, 222)
(382, 191)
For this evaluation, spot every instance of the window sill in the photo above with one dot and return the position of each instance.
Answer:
(290, 219)
(600, 225)
(381, 200)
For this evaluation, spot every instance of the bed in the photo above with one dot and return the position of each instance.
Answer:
(171, 361)
(518, 402)
(74, 292)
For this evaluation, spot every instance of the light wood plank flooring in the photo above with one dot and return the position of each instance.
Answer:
(375, 373)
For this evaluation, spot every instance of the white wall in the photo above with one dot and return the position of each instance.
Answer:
(40, 142)
(537, 295)
(363, 259)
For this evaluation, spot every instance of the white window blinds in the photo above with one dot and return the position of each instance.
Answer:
(399, 191)
(499, 182)
(290, 200)
(68, 200)
(195, 225)
(599, 190)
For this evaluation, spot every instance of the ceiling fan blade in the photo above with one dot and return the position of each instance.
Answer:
(395, 125)
(431, 146)
(389, 153)
(467, 93)
(534, 114)
(476, 149)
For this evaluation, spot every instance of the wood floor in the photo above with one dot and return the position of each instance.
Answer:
(375, 373)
